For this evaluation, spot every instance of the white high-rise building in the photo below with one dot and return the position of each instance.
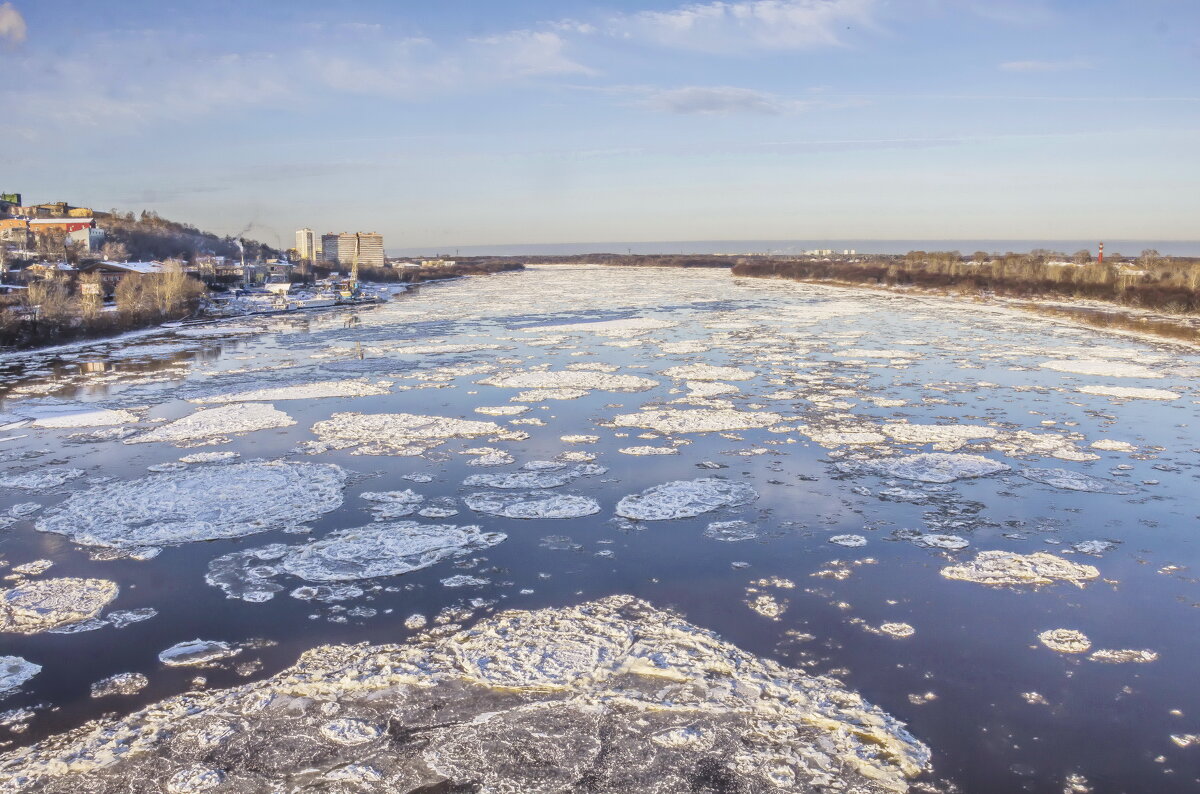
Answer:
(305, 247)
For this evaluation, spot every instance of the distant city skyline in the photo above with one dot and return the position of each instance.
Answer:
(532, 122)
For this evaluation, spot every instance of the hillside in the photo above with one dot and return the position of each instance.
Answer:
(148, 236)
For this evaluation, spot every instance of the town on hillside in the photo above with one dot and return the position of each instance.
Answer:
(69, 271)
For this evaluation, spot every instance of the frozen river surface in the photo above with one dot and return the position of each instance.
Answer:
(709, 534)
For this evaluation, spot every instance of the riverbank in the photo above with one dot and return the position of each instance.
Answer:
(1113, 317)
(66, 325)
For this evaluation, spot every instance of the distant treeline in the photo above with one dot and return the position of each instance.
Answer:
(1150, 281)
(415, 275)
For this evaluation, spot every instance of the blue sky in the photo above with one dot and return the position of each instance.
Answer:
(464, 123)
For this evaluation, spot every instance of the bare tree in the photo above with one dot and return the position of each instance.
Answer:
(114, 251)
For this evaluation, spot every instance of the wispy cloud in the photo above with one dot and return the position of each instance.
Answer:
(746, 26)
(1046, 66)
(527, 53)
(716, 101)
(12, 24)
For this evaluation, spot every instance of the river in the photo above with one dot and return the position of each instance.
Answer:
(840, 457)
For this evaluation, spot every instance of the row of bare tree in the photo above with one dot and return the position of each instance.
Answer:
(59, 309)
(1149, 281)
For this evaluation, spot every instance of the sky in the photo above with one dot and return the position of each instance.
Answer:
(456, 123)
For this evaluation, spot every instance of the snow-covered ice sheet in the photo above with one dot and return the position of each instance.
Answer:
(670, 700)
(685, 498)
(198, 504)
(347, 555)
(211, 425)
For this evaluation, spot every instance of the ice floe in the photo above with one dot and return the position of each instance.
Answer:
(45, 604)
(1130, 392)
(33, 568)
(532, 480)
(685, 498)
(1002, 568)
(120, 684)
(731, 531)
(1075, 481)
(585, 381)
(398, 434)
(1112, 445)
(210, 457)
(939, 467)
(704, 372)
(502, 410)
(393, 504)
(206, 503)
(850, 541)
(648, 450)
(15, 671)
(1123, 656)
(88, 417)
(532, 504)
(604, 327)
(40, 480)
(1065, 640)
(942, 436)
(210, 426)
(377, 550)
(302, 391)
(197, 653)
(673, 702)
(699, 420)
(1102, 367)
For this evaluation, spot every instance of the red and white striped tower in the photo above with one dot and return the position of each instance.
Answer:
(1101, 260)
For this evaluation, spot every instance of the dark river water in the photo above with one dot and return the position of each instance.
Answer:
(842, 369)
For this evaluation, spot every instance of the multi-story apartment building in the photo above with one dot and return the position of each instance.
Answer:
(339, 249)
(306, 248)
